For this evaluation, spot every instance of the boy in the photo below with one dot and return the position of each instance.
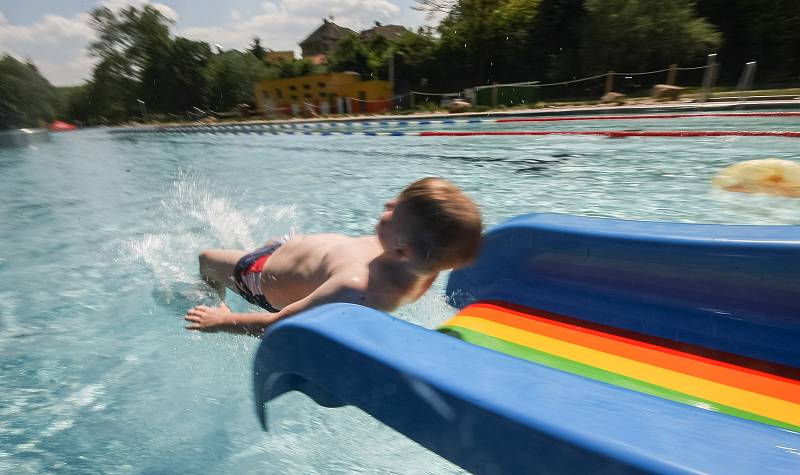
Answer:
(431, 226)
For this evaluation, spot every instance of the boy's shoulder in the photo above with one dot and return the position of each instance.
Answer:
(358, 286)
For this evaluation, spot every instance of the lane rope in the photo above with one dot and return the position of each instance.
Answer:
(265, 130)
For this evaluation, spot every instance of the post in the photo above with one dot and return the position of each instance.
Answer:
(609, 82)
(671, 74)
(143, 110)
(494, 94)
(746, 81)
(709, 77)
(411, 100)
(391, 72)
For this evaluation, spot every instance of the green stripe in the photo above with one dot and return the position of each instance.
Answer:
(570, 366)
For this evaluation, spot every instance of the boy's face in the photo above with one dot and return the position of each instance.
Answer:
(392, 226)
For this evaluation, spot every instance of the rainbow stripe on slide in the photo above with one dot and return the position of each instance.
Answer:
(698, 377)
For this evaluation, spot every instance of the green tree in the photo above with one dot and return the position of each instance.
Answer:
(485, 41)
(175, 81)
(352, 54)
(555, 40)
(637, 35)
(111, 94)
(767, 31)
(140, 35)
(256, 49)
(230, 77)
(26, 98)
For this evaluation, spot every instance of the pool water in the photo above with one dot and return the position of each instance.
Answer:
(98, 241)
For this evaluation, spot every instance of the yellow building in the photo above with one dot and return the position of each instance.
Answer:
(323, 94)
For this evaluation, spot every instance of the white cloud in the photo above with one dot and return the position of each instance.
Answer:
(115, 5)
(58, 44)
(50, 29)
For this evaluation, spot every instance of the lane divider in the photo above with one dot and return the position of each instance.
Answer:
(649, 116)
(344, 126)
(621, 133)
(265, 130)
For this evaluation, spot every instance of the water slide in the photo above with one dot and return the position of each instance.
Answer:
(578, 345)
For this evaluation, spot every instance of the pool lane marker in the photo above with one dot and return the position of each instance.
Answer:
(632, 363)
(367, 124)
(261, 130)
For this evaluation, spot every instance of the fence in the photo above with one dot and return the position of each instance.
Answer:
(529, 92)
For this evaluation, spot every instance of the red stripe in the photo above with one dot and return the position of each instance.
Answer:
(650, 116)
(740, 362)
(623, 133)
(258, 265)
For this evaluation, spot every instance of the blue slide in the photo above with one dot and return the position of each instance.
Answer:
(579, 345)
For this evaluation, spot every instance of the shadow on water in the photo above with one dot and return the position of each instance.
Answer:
(535, 165)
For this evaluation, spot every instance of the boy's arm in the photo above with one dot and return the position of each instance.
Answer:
(222, 319)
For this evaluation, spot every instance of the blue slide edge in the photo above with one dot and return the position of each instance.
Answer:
(491, 413)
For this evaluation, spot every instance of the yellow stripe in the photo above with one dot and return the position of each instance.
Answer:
(745, 400)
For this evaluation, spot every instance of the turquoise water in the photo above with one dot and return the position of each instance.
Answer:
(98, 238)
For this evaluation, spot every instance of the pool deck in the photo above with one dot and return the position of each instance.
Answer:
(681, 106)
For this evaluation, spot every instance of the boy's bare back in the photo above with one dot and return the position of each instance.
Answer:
(305, 263)
(431, 226)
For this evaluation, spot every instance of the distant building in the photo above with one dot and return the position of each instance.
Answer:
(274, 56)
(390, 32)
(323, 94)
(323, 40)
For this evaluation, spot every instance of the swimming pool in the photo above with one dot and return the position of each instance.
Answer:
(99, 234)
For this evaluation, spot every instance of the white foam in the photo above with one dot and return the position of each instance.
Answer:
(196, 218)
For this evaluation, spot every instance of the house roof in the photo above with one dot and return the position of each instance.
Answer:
(328, 31)
(387, 31)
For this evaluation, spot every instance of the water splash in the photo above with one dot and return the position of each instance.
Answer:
(198, 214)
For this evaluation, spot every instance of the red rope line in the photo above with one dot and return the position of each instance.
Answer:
(621, 133)
(651, 116)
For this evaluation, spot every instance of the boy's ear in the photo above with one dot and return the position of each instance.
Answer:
(403, 251)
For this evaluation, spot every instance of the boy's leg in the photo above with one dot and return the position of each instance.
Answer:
(216, 268)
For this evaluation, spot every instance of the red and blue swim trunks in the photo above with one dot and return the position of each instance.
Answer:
(247, 275)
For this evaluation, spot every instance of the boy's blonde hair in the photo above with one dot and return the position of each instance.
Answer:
(446, 224)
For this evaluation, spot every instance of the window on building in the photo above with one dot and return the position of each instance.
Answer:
(292, 88)
(308, 96)
(278, 93)
(362, 95)
(322, 94)
(306, 86)
(294, 98)
(321, 84)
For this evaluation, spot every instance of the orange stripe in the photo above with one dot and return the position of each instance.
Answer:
(639, 351)
(645, 344)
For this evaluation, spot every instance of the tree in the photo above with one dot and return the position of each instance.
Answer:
(26, 98)
(256, 49)
(230, 77)
(637, 35)
(174, 80)
(556, 39)
(757, 30)
(352, 54)
(138, 35)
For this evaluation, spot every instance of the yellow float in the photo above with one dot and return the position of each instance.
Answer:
(767, 176)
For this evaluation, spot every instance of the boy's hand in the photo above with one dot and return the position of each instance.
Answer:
(209, 319)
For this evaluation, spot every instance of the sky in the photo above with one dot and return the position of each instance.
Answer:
(54, 34)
